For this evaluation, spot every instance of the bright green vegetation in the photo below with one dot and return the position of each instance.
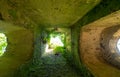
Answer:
(57, 42)
(3, 43)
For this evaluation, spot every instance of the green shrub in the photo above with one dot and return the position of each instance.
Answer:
(59, 49)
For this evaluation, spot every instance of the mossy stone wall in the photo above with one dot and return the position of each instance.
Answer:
(18, 51)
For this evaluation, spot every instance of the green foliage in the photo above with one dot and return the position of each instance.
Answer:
(61, 35)
(3, 43)
(59, 49)
(2, 47)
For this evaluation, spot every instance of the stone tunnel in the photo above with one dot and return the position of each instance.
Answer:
(60, 38)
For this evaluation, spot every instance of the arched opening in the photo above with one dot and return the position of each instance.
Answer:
(110, 45)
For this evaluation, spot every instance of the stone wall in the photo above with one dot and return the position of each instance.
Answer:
(18, 51)
(91, 48)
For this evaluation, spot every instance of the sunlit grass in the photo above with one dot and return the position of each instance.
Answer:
(3, 43)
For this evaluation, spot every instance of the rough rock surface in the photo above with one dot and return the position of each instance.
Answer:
(49, 65)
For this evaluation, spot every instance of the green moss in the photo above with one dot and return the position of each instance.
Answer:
(55, 65)
(13, 13)
(61, 13)
(104, 8)
(76, 61)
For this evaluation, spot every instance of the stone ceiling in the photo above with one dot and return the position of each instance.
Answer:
(50, 13)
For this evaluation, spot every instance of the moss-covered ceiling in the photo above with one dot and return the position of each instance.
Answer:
(60, 13)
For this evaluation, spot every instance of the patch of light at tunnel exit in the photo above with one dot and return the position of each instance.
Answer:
(47, 50)
(56, 41)
(118, 45)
